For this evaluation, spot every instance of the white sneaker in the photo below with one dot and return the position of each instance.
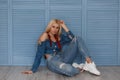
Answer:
(91, 67)
(76, 65)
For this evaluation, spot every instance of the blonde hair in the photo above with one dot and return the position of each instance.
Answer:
(57, 21)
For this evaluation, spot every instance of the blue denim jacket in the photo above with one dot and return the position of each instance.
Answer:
(44, 47)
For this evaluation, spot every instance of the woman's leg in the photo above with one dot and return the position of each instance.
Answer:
(82, 50)
(89, 64)
(69, 52)
(82, 47)
(56, 65)
(75, 51)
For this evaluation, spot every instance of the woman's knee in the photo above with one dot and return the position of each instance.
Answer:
(64, 69)
(76, 39)
(69, 70)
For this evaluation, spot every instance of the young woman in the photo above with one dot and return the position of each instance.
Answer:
(63, 52)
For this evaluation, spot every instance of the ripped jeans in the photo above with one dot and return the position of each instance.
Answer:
(61, 63)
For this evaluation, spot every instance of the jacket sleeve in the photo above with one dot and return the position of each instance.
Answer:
(67, 37)
(40, 52)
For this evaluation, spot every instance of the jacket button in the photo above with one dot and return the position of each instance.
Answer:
(53, 49)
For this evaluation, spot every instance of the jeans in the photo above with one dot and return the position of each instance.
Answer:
(61, 63)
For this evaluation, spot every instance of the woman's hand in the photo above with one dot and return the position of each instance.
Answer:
(27, 72)
(62, 22)
(88, 60)
(63, 25)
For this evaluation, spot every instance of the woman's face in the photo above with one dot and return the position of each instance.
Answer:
(54, 28)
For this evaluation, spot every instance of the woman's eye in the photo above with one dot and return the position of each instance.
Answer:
(57, 27)
(53, 26)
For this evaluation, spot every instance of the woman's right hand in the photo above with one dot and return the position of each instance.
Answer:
(27, 72)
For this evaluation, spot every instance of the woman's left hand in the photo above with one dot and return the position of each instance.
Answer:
(62, 23)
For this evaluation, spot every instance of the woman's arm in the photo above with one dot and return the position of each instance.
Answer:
(39, 54)
(64, 26)
(69, 35)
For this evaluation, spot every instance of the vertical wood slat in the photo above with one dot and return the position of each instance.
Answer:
(102, 31)
(119, 35)
(4, 32)
(10, 35)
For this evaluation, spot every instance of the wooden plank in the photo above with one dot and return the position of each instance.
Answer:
(14, 73)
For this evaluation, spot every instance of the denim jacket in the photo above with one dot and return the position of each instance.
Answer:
(44, 47)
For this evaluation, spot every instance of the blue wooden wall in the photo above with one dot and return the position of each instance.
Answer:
(22, 21)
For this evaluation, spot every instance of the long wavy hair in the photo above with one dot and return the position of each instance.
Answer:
(57, 21)
(48, 28)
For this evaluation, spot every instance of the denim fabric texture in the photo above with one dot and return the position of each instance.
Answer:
(44, 47)
(73, 50)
